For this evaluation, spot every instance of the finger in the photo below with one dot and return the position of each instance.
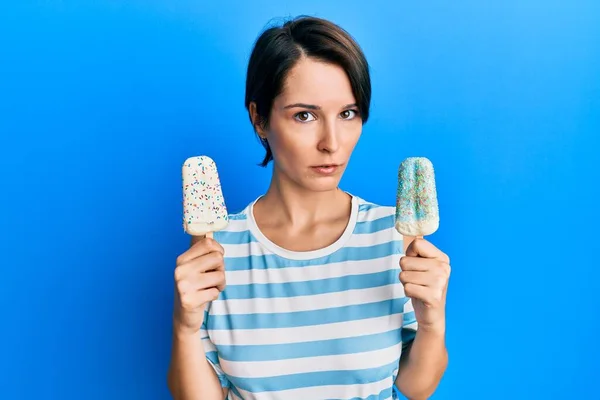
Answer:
(209, 294)
(424, 264)
(219, 268)
(201, 247)
(415, 263)
(417, 278)
(423, 248)
(195, 301)
(209, 262)
(419, 292)
(406, 241)
(221, 286)
(196, 239)
(219, 265)
(211, 279)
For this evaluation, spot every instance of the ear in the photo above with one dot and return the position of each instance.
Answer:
(256, 121)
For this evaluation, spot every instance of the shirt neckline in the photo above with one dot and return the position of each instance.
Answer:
(304, 255)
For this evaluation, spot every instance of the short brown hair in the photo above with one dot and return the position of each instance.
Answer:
(279, 48)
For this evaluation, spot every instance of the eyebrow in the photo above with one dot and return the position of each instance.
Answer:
(313, 107)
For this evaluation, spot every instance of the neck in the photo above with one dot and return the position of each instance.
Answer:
(293, 205)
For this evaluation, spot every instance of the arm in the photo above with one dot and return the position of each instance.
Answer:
(422, 365)
(190, 376)
(425, 358)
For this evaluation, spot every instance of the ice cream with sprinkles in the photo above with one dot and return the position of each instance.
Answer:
(417, 212)
(204, 209)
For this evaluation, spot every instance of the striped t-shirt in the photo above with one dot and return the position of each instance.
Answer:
(323, 324)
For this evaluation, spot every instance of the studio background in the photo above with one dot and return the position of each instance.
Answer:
(101, 101)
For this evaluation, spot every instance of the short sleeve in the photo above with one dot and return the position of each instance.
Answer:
(211, 352)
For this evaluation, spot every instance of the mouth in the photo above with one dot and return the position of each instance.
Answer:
(326, 169)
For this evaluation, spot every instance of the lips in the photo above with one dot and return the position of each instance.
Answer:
(326, 169)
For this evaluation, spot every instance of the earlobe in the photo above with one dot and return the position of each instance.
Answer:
(260, 132)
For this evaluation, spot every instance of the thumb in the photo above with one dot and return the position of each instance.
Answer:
(413, 246)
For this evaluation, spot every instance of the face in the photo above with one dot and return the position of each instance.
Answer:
(314, 126)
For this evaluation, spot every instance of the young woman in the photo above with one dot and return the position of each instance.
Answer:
(309, 293)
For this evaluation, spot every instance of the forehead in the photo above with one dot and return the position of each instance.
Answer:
(317, 82)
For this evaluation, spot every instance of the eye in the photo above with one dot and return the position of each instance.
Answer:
(304, 116)
(348, 114)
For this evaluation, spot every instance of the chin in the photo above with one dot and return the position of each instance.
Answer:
(321, 184)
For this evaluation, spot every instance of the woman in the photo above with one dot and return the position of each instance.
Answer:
(309, 293)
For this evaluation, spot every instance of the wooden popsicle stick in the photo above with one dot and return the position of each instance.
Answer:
(197, 238)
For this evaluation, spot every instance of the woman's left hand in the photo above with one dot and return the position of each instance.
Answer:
(425, 274)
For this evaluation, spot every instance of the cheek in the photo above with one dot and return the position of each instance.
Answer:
(350, 135)
(288, 141)
(283, 148)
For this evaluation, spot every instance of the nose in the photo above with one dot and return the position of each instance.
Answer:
(329, 141)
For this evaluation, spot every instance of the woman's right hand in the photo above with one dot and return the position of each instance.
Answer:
(199, 278)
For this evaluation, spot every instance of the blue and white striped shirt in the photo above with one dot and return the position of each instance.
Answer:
(323, 324)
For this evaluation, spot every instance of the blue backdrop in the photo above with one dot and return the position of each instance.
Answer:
(101, 101)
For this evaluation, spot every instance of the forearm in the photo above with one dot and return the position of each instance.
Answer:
(190, 376)
(422, 368)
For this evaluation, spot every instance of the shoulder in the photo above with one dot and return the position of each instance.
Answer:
(371, 209)
(375, 217)
(237, 229)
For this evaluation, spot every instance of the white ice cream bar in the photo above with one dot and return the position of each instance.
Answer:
(417, 212)
(204, 209)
